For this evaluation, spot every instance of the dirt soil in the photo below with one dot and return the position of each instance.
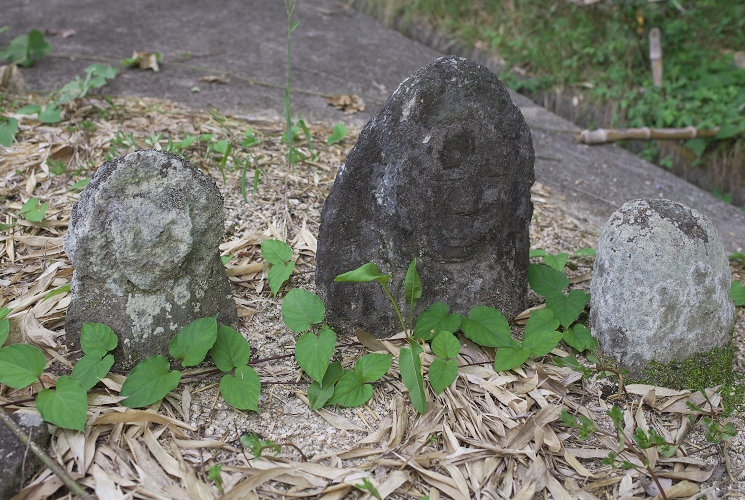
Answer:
(491, 435)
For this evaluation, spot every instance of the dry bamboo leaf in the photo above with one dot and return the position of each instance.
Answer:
(522, 435)
(698, 476)
(602, 483)
(359, 453)
(152, 477)
(193, 444)
(130, 416)
(40, 491)
(558, 492)
(243, 269)
(74, 443)
(169, 464)
(441, 482)
(683, 489)
(527, 492)
(339, 421)
(369, 341)
(577, 466)
(221, 79)
(195, 487)
(458, 480)
(33, 332)
(337, 492)
(310, 240)
(662, 392)
(250, 484)
(104, 485)
(626, 486)
(392, 482)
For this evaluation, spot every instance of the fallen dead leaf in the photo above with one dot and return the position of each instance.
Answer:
(349, 103)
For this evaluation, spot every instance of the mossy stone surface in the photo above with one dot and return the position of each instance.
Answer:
(660, 286)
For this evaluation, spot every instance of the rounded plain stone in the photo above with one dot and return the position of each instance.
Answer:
(660, 285)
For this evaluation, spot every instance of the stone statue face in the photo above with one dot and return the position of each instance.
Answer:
(460, 190)
(165, 244)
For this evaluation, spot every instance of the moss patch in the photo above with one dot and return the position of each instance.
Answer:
(700, 371)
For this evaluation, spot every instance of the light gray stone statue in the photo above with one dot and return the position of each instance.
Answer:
(144, 241)
(441, 173)
(660, 285)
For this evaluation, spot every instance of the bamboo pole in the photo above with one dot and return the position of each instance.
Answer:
(655, 55)
(601, 135)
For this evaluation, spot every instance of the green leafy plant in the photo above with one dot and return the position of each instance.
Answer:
(8, 131)
(279, 255)
(338, 133)
(24, 50)
(150, 381)
(367, 485)
(256, 445)
(96, 76)
(332, 384)
(737, 293)
(634, 445)
(215, 474)
(32, 211)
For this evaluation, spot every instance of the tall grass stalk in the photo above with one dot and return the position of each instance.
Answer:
(291, 26)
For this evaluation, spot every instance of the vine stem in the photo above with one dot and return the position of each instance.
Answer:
(395, 305)
(72, 485)
(640, 455)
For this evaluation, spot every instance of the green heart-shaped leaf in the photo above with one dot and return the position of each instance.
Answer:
(567, 308)
(98, 339)
(242, 390)
(373, 366)
(508, 358)
(540, 322)
(313, 353)
(194, 341)
(446, 345)
(302, 309)
(4, 330)
(66, 406)
(541, 344)
(230, 350)
(737, 293)
(278, 274)
(435, 320)
(276, 252)
(488, 327)
(351, 390)
(91, 368)
(149, 382)
(442, 373)
(557, 261)
(21, 365)
(546, 281)
(319, 394)
(579, 337)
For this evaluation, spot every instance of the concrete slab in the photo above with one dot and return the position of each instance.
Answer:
(336, 50)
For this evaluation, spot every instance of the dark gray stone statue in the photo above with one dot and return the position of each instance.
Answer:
(441, 173)
(144, 241)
